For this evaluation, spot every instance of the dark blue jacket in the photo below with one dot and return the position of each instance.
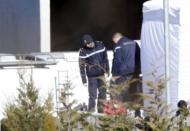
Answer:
(93, 61)
(124, 57)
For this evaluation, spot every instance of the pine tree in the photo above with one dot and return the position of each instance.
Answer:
(118, 119)
(26, 113)
(159, 115)
(70, 116)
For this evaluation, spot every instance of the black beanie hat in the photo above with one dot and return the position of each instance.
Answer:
(86, 39)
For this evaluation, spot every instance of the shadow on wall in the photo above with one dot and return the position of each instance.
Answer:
(70, 19)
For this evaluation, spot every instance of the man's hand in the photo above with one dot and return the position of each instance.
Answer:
(85, 84)
(106, 75)
(107, 79)
(114, 78)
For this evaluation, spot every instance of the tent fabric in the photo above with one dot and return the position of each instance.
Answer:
(184, 57)
(153, 48)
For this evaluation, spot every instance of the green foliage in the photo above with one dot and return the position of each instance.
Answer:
(160, 115)
(27, 113)
(181, 119)
(49, 122)
(116, 123)
(158, 111)
(70, 117)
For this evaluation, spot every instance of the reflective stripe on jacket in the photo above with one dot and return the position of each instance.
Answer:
(124, 57)
(93, 61)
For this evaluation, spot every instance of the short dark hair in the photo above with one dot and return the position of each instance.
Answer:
(182, 104)
(86, 39)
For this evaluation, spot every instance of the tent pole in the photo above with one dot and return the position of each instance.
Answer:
(167, 51)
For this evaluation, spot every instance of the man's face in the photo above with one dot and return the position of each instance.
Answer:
(114, 39)
(90, 45)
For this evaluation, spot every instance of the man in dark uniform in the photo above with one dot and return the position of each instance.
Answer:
(126, 67)
(93, 63)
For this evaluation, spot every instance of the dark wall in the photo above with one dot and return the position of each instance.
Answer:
(70, 19)
(19, 26)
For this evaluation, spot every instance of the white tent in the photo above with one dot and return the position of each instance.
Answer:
(153, 46)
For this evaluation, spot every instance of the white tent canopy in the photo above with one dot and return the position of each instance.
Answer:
(153, 46)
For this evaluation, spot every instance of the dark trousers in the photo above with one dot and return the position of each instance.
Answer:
(96, 84)
(130, 91)
(125, 93)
